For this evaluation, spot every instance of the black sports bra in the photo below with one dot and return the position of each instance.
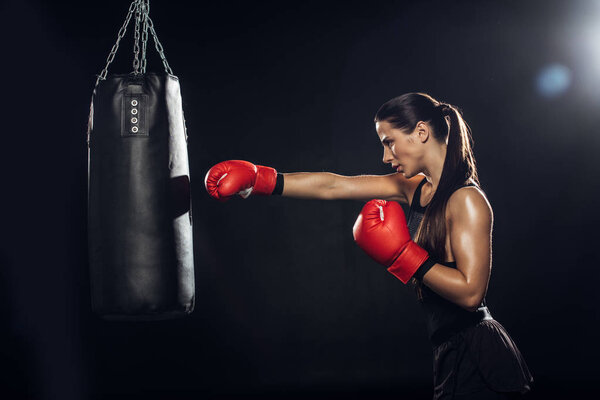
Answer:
(443, 317)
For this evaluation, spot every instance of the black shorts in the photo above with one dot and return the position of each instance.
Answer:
(480, 362)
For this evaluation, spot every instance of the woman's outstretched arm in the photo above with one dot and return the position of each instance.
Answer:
(330, 186)
(238, 177)
(471, 219)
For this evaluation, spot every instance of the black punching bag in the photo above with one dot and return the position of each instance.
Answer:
(139, 202)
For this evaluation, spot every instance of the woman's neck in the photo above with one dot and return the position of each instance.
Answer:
(434, 165)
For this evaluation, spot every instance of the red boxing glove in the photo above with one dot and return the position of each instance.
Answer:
(232, 177)
(381, 231)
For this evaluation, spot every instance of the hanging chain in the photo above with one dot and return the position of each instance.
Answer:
(115, 47)
(145, 35)
(143, 23)
(136, 39)
(159, 47)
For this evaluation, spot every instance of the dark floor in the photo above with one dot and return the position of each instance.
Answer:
(546, 389)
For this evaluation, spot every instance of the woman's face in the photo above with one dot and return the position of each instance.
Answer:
(401, 149)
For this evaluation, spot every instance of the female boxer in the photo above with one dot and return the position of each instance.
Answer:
(444, 248)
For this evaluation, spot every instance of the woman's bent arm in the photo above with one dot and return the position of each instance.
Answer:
(330, 186)
(471, 221)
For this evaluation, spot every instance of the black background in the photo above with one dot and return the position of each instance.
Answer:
(287, 306)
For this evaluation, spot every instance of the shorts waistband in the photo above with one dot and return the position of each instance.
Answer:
(445, 333)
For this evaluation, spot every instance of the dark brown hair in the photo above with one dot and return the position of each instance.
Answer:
(404, 112)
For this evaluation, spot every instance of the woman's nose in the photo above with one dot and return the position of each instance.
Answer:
(387, 156)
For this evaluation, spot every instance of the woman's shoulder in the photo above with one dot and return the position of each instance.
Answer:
(469, 202)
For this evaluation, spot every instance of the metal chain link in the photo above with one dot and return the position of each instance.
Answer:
(159, 47)
(115, 47)
(145, 34)
(136, 39)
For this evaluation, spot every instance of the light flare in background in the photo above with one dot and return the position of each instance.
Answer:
(553, 80)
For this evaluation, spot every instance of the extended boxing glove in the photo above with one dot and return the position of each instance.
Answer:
(232, 177)
(381, 231)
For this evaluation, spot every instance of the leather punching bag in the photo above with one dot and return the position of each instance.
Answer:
(139, 199)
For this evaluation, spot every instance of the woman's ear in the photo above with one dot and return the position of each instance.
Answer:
(423, 131)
